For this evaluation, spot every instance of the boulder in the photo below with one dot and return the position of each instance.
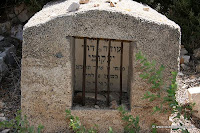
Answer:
(197, 53)
(194, 97)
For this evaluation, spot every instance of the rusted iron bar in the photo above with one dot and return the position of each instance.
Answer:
(96, 72)
(108, 78)
(84, 71)
(121, 66)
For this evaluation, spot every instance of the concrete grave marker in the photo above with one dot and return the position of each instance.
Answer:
(54, 53)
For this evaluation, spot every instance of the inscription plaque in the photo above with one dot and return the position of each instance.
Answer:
(115, 51)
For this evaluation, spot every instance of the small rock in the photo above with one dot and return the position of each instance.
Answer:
(83, 1)
(197, 53)
(185, 67)
(183, 51)
(96, 5)
(73, 7)
(113, 105)
(146, 9)
(1, 38)
(96, 107)
(1, 115)
(17, 32)
(180, 74)
(112, 5)
(182, 46)
(5, 131)
(2, 118)
(186, 58)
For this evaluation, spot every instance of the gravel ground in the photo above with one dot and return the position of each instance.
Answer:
(185, 80)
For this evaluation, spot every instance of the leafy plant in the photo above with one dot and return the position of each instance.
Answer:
(132, 124)
(76, 125)
(20, 125)
(151, 75)
(155, 78)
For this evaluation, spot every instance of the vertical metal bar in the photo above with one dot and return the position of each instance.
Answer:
(96, 72)
(84, 71)
(108, 81)
(121, 66)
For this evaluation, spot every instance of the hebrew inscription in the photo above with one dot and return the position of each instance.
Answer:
(115, 53)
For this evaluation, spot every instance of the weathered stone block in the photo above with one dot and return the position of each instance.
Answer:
(194, 97)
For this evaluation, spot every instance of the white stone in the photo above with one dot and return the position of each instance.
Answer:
(184, 51)
(1, 115)
(1, 38)
(180, 74)
(5, 131)
(194, 97)
(2, 118)
(73, 7)
(186, 58)
(17, 32)
(185, 67)
(96, 107)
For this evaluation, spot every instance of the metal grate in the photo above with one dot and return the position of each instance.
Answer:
(84, 67)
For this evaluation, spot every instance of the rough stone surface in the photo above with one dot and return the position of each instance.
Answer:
(47, 81)
(194, 97)
(197, 53)
(5, 27)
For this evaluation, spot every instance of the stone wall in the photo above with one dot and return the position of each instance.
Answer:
(47, 80)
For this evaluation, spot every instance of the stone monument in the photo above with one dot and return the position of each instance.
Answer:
(70, 46)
